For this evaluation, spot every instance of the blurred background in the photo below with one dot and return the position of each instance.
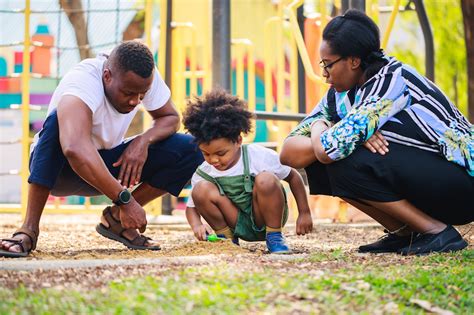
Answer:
(265, 51)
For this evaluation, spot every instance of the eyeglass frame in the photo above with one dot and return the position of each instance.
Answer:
(329, 65)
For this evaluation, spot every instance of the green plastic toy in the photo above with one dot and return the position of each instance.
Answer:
(214, 238)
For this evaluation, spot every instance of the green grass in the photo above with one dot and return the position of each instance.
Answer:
(446, 281)
(333, 255)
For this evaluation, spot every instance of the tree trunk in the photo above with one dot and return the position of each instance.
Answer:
(136, 27)
(75, 14)
(468, 17)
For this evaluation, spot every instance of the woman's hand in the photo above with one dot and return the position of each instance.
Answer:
(377, 143)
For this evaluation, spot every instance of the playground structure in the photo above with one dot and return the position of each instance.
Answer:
(274, 56)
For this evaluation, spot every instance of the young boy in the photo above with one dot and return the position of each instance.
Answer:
(237, 188)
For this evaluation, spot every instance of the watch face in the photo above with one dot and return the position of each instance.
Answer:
(125, 196)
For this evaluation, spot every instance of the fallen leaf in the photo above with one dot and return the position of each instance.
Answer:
(430, 308)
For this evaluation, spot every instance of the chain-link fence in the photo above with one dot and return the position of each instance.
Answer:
(61, 34)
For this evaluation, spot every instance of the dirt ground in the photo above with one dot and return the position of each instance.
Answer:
(73, 237)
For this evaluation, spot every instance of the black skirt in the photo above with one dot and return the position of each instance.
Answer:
(441, 189)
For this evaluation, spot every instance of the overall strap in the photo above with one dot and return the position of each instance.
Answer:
(211, 179)
(248, 186)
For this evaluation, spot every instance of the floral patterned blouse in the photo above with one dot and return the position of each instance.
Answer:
(404, 106)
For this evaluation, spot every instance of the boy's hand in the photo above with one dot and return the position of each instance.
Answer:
(304, 223)
(201, 231)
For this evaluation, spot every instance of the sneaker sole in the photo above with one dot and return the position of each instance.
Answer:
(377, 251)
(102, 230)
(451, 247)
(283, 252)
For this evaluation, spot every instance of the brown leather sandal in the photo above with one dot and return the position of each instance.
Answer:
(32, 235)
(115, 232)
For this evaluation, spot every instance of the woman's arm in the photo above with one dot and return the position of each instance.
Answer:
(380, 101)
(317, 129)
(297, 152)
(301, 151)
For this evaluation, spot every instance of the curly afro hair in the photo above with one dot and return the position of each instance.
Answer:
(216, 115)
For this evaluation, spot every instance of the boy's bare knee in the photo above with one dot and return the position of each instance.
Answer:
(204, 190)
(266, 182)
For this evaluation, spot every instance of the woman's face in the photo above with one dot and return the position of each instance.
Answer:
(341, 73)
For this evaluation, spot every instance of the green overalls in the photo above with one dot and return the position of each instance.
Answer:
(239, 190)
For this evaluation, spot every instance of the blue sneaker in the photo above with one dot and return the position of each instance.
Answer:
(276, 243)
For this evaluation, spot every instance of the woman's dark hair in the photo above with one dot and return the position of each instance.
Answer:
(217, 114)
(354, 34)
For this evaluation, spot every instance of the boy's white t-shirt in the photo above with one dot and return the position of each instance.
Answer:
(108, 125)
(261, 159)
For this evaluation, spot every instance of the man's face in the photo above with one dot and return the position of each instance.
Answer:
(125, 90)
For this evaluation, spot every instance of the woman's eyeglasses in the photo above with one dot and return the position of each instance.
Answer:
(328, 66)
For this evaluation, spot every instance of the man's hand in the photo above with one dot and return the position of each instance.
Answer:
(133, 216)
(201, 231)
(377, 143)
(131, 162)
(304, 223)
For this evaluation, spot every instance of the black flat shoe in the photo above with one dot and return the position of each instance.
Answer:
(389, 243)
(448, 240)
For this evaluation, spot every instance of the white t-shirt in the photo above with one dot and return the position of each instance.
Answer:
(108, 125)
(261, 159)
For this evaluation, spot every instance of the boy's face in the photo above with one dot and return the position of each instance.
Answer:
(221, 153)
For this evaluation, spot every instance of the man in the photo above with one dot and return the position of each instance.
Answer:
(81, 149)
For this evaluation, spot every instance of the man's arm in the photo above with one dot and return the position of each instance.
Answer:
(75, 130)
(165, 124)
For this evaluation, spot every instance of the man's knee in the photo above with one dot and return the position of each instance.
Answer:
(47, 158)
(179, 148)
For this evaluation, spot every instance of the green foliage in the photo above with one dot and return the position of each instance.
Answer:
(333, 255)
(310, 285)
(450, 50)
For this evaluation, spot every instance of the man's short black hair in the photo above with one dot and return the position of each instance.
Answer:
(133, 56)
(215, 115)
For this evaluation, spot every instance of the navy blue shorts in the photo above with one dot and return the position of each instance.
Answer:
(169, 166)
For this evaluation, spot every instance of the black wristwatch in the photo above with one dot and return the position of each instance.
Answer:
(124, 198)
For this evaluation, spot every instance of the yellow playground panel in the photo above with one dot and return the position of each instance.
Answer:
(266, 41)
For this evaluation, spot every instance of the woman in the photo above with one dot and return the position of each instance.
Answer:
(388, 141)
